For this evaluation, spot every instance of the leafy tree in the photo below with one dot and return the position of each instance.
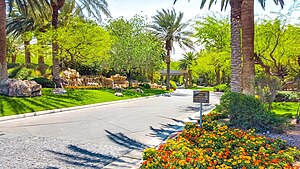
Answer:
(277, 48)
(214, 33)
(82, 42)
(134, 48)
(168, 27)
(93, 8)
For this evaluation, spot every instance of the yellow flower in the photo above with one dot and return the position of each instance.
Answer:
(181, 162)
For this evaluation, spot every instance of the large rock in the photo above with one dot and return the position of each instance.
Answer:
(20, 88)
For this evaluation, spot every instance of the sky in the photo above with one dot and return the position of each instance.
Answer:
(148, 8)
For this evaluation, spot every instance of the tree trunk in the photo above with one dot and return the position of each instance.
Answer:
(248, 46)
(235, 80)
(190, 78)
(218, 76)
(168, 61)
(3, 61)
(41, 60)
(128, 74)
(14, 58)
(27, 52)
(55, 58)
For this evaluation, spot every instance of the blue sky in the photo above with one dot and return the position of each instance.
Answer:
(128, 8)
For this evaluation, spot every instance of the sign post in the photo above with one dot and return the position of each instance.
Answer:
(201, 97)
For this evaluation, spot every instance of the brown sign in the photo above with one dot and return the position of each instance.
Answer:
(201, 96)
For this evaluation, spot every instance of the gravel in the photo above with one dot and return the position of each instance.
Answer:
(28, 152)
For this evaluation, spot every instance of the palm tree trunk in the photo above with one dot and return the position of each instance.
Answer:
(3, 61)
(55, 58)
(235, 81)
(27, 52)
(248, 46)
(168, 61)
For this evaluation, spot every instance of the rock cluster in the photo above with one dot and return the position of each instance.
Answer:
(20, 88)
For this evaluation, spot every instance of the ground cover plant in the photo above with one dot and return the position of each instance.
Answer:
(287, 109)
(215, 145)
(78, 97)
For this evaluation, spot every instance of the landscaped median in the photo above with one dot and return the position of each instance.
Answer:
(73, 97)
(215, 145)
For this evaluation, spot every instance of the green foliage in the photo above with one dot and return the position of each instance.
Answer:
(286, 109)
(46, 83)
(145, 86)
(134, 49)
(173, 84)
(287, 97)
(21, 72)
(83, 41)
(221, 88)
(248, 112)
(277, 46)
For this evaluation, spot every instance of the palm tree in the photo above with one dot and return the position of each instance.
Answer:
(186, 62)
(168, 27)
(92, 7)
(3, 62)
(21, 24)
(241, 9)
(22, 5)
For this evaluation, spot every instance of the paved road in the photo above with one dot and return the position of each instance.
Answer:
(94, 137)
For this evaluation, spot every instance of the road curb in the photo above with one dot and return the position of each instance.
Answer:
(45, 112)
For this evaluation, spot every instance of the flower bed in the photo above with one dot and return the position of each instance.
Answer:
(218, 146)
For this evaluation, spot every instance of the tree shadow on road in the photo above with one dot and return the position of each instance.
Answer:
(196, 108)
(166, 129)
(125, 141)
(80, 157)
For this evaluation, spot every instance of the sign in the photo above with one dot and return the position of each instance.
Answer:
(201, 96)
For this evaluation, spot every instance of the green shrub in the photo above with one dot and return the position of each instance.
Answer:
(221, 88)
(46, 83)
(248, 112)
(173, 85)
(21, 73)
(145, 86)
(287, 97)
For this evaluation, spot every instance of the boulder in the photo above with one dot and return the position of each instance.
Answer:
(20, 88)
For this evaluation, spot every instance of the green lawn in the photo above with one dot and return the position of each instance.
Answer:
(211, 89)
(288, 109)
(48, 100)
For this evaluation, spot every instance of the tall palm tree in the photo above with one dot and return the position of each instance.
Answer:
(186, 62)
(94, 8)
(168, 27)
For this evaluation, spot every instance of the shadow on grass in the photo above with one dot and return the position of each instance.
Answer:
(125, 141)
(79, 157)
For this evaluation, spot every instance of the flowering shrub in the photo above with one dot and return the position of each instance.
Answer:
(217, 146)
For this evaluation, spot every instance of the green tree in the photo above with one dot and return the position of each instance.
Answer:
(93, 8)
(241, 9)
(83, 42)
(169, 27)
(277, 48)
(134, 48)
(213, 32)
